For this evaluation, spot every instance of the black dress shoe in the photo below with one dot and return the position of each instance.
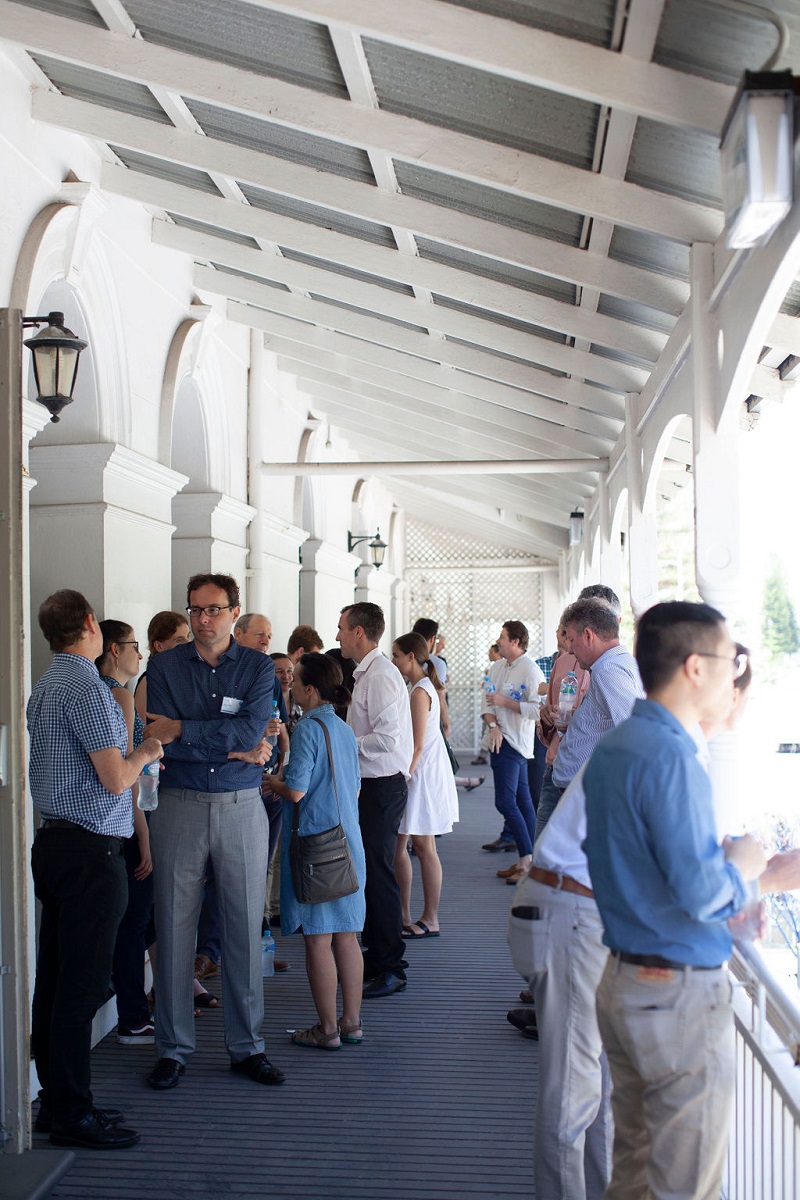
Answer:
(44, 1117)
(385, 984)
(258, 1068)
(524, 1019)
(499, 844)
(93, 1133)
(166, 1074)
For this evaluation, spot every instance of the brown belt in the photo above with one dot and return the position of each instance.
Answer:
(561, 883)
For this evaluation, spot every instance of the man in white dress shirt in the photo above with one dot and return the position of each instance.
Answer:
(380, 717)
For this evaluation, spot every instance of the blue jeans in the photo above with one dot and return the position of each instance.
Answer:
(512, 796)
(548, 799)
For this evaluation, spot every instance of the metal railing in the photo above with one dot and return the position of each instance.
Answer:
(764, 1150)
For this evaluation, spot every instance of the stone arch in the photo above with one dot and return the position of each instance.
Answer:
(189, 449)
(62, 265)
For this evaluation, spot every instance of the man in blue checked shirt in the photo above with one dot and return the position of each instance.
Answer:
(81, 776)
(209, 703)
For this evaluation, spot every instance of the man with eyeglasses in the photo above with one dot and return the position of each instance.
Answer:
(209, 702)
(665, 890)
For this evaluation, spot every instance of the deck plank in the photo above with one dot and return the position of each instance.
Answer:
(436, 1105)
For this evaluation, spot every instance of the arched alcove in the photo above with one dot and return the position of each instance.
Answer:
(189, 453)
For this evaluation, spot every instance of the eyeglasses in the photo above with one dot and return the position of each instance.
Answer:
(134, 644)
(211, 610)
(739, 661)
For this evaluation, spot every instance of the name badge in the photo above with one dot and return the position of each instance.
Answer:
(230, 704)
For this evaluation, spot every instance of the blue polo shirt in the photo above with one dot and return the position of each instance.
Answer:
(222, 708)
(659, 875)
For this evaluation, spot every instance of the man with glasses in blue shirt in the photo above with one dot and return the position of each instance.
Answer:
(209, 703)
(665, 890)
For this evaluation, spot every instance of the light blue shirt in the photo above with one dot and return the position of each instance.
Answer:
(614, 686)
(659, 875)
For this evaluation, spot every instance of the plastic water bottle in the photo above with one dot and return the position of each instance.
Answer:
(148, 787)
(267, 954)
(567, 696)
(488, 687)
(273, 737)
(518, 694)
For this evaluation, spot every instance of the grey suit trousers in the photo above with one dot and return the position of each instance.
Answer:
(185, 830)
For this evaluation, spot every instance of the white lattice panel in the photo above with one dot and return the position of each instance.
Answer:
(470, 587)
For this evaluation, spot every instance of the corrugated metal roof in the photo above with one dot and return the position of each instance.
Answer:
(323, 154)
(514, 358)
(791, 302)
(680, 162)
(279, 287)
(498, 319)
(492, 268)
(635, 314)
(162, 168)
(245, 36)
(482, 105)
(584, 20)
(111, 91)
(75, 10)
(228, 235)
(712, 39)
(647, 250)
(390, 285)
(318, 215)
(492, 204)
(367, 312)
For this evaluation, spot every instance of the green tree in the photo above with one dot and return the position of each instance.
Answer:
(779, 624)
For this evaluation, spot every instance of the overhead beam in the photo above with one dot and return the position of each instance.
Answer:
(533, 56)
(472, 419)
(384, 367)
(403, 138)
(539, 351)
(364, 337)
(384, 262)
(441, 467)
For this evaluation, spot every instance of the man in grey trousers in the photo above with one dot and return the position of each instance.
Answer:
(210, 701)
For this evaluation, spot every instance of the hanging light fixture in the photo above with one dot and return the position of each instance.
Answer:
(575, 528)
(377, 546)
(55, 351)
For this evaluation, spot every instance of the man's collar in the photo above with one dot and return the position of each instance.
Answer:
(366, 660)
(233, 651)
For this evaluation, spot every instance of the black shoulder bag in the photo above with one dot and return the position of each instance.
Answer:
(322, 866)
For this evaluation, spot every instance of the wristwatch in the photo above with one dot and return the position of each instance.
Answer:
(492, 724)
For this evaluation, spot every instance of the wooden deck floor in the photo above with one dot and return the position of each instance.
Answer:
(436, 1105)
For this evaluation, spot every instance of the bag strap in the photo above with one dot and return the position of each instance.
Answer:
(296, 813)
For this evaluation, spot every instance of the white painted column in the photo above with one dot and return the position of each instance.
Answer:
(210, 535)
(327, 584)
(610, 554)
(642, 540)
(274, 574)
(100, 522)
(716, 502)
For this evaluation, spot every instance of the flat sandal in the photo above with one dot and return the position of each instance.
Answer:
(315, 1038)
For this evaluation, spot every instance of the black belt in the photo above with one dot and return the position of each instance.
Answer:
(63, 823)
(655, 960)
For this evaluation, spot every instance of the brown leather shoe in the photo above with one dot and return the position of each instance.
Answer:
(514, 879)
(508, 872)
(204, 967)
(281, 965)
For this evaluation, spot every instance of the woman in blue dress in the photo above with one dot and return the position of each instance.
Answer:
(330, 928)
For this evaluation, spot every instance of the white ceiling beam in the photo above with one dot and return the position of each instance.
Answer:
(402, 138)
(441, 466)
(455, 324)
(373, 341)
(468, 437)
(532, 56)
(355, 357)
(468, 412)
(525, 494)
(385, 262)
(433, 221)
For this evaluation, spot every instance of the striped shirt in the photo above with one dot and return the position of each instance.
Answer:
(614, 686)
(71, 714)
